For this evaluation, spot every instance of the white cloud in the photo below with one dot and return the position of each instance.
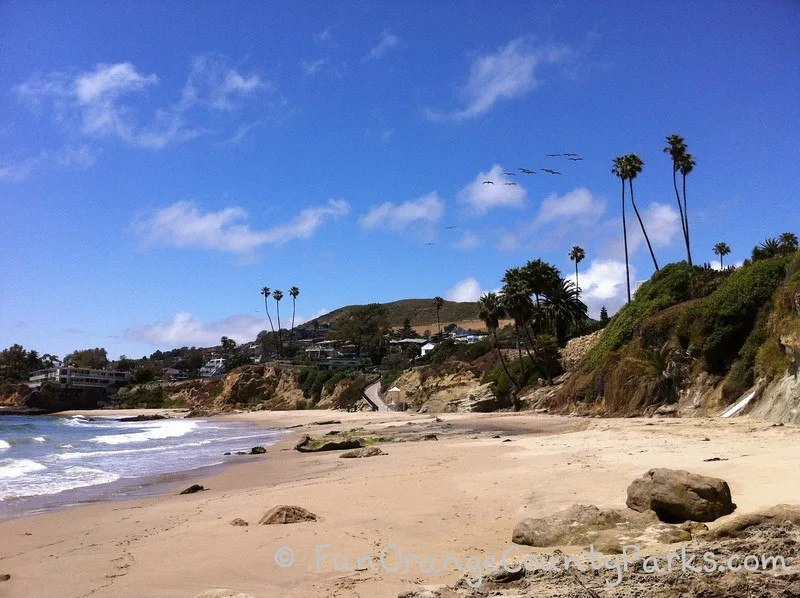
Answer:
(503, 75)
(387, 42)
(603, 284)
(67, 158)
(184, 329)
(481, 197)
(182, 224)
(15, 171)
(578, 204)
(105, 101)
(310, 67)
(465, 290)
(426, 209)
(714, 263)
(662, 223)
(468, 240)
(325, 35)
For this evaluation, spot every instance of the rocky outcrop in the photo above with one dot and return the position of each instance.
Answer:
(457, 389)
(332, 442)
(369, 451)
(735, 527)
(193, 489)
(577, 348)
(284, 514)
(678, 496)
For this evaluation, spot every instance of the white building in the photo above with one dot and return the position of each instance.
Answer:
(213, 368)
(77, 377)
(426, 348)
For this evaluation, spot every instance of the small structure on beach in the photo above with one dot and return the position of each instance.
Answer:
(395, 397)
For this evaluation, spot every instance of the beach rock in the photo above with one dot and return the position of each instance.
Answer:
(192, 489)
(420, 594)
(239, 522)
(669, 410)
(677, 496)
(369, 451)
(327, 422)
(580, 525)
(286, 514)
(258, 450)
(142, 418)
(5, 577)
(310, 445)
(736, 526)
(223, 594)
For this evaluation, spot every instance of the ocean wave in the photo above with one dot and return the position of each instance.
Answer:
(14, 468)
(39, 439)
(154, 431)
(4, 445)
(68, 479)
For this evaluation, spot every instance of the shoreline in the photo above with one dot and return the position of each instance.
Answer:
(461, 494)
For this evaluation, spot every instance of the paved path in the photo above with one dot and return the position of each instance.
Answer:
(371, 394)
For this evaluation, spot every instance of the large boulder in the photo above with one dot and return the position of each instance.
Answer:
(286, 514)
(736, 526)
(307, 444)
(677, 496)
(368, 451)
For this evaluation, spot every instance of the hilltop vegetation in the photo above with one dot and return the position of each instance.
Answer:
(421, 312)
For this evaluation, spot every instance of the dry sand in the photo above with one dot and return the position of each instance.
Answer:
(460, 495)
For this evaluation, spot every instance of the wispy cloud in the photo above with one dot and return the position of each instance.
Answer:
(468, 240)
(183, 225)
(325, 35)
(506, 74)
(388, 41)
(185, 329)
(105, 102)
(465, 290)
(67, 158)
(488, 190)
(398, 217)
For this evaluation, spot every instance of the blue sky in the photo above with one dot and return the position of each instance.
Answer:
(161, 162)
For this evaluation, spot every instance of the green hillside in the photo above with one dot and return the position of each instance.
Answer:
(421, 312)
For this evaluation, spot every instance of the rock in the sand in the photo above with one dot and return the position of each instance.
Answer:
(309, 445)
(677, 496)
(668, 410)
(327, 422)
(287, 514)
(258, 450)
(578, 525)
(193, 488)
(5, 577)
(737, 525)
(223, 594)
(367, 451)
(143, 418)
(239, 522)
(420, 594)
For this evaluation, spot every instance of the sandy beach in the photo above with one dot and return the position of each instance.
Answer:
(461, 494)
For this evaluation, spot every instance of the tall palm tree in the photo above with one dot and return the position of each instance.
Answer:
(266, 292)
(538, 277)
(686, 165)
(788, 241)
(516, 302)
(676, 148)
(490, 310)
(721, 249)
(576, 254)
(634, 165)
(565, 308)
(294, 292)
(277, 294)
(438, 302)
(620, 170)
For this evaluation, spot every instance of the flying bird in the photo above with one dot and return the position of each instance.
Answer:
(551, 171)
(510, 183)
(553, 156)
(429, 244)
(576, 159)
(570, 155)
(527, 171)
(445, 228)
(488, 182)
(510, 173)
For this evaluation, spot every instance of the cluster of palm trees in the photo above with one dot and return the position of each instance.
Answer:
(771, 247)
(543, 307)
(277, 295)
(627, 167)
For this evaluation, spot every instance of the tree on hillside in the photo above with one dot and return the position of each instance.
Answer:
(577, 254)
(228, 346)
(721, 249)
(277, 294)
(16, 364)
(96, 358)
(363, 326)
(490, 311)
(686, 164)
(768, 248)
(539, 277)
(788, 242)
(676, 148)
(438, 302)
(518, 305)
(633, 166)
(620, 171)
(407, 331)
(267, 294)
(294, 292)
(565, 309)
(604, 316)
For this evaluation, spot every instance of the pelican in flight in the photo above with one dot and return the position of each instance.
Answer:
(510, 173)
(510, 183)
(576, 159)
(570, 155)
(527, 171)
(552, 156)
(429, 244)
(488, 182)
(551, 171)
(445, 228)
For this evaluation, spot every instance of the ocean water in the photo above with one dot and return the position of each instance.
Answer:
(47, 462)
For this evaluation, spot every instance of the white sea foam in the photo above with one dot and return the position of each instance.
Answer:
(40, 439)
(14, 468)
(68, 479)
(155, 431)
(3, 445)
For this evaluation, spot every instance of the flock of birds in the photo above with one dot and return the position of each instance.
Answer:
(568, 155)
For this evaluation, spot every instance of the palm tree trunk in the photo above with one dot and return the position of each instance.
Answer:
(720, 261)
(686, 218)
(503, 359)
(280, 338)
(519, 351)
(644, 232)
(266, 307)
(625, 239)
(291, 338)
(577, 286)
(680, 209)
(438, 323)
(545, 367)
